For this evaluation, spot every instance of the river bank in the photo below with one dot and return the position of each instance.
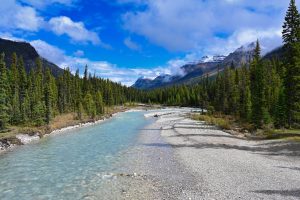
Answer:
(59, 124)
(185, 159)
(156, 154)
(245, 130)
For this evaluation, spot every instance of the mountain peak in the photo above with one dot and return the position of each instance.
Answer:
(215, 58)
(28, 53)
(246, 48)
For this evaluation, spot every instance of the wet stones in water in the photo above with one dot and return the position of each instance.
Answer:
(156, 115)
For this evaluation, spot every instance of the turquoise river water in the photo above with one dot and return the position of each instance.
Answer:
(69, 165)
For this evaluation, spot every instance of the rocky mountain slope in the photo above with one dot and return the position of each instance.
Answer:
(28, 53)
(207, 65)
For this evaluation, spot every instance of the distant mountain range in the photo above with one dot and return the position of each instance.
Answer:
(192, 73)
(28, 53)
(207, 65)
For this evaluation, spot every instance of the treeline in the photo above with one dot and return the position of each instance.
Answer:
(264, 93)
(35, 98)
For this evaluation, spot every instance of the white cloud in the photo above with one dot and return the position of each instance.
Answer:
(75, 30)
(269, 39)
(79, 53)
(9, 36)
(131, 44)
(49, 52)
(104, 69)
(191, 25)
(16, 16)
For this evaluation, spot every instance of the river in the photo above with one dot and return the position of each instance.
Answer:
(70, 165)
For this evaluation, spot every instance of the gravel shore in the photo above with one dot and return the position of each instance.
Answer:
(179, 158)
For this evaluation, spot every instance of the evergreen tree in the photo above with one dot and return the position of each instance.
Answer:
(90, 106)
(291, 38)
(48, 96)
(280, 110)
(4, 96)
(85, 87)
(290, 32)
(245, 95)
(23, 92)
(37, 92)
(259, 111)
(80, 111)
(38, 114)
(99, 103)
(14, 91)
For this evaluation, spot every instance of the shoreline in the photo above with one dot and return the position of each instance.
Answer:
(7, 145)
(219, 163)
(149, 163)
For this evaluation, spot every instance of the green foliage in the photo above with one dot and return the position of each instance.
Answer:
(99, 103)
(79, 111)
(4, 95)
(223, 123)
(265, 93)
(291, 38)
(35, 98)
(90, 106)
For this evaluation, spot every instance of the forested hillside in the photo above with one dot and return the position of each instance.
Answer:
(267, 93)
(34, 98)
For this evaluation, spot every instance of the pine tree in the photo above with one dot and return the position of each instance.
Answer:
(290, 32)
(48, 96)
(85, 87)
(245, 95)
(90, 106)
(39, 114)
(235, 94)
(77, 88)
(4, 96)
(99, 103)
(259, 111)
(291, 38)
(80, 111)
(280, 110)
(14, 91)
(23, 92)
(37, 92)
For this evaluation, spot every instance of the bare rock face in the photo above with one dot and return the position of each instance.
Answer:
(193, 71)
(210, 65)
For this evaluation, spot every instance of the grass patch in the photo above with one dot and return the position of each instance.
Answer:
(286, 134)
(223, 123)
(230, 123)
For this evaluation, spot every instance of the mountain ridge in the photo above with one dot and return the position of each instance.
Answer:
(194, 71)
(28, 53)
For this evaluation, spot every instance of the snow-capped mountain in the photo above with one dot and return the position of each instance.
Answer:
(246, 48)
(216, 58)
(206, 65)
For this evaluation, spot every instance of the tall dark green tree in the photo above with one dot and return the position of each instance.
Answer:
(4, 94)
(291, 38)
(257, 73)
(14, 91)
(23, 92)
(90, 106)
(48, 96)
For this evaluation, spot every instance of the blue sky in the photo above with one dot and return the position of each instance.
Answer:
(125, 39)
